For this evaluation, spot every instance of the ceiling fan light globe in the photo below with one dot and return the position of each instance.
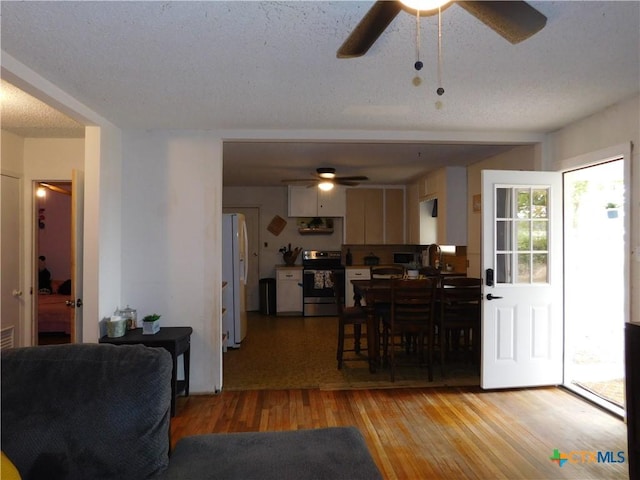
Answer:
(326, 172)
(325, 186)
(424, 5)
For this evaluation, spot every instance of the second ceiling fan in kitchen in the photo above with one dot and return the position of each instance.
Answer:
(325, 178)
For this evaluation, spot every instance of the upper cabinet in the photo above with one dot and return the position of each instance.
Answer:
(374, 216)
(447, 223)
(313, 202)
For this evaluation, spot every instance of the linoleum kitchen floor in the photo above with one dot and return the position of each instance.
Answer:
(300, 352)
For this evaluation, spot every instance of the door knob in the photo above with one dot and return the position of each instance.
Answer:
(16, 292)
(492, 297)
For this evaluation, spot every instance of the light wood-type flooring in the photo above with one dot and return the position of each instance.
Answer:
(434, 433)
(284, 377)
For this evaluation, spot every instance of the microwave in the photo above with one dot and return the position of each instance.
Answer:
(404, 258)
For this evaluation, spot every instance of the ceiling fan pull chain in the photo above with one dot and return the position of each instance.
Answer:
(440, 90)
(418, 65)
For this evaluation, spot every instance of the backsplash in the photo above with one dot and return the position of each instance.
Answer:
(457, 260)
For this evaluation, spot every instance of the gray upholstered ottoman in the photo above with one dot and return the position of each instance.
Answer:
(325, 453)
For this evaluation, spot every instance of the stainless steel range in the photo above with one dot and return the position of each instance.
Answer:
(317, 286)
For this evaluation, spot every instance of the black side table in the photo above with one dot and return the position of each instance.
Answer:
(176, 340)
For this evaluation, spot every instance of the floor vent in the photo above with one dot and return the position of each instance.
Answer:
(6, 338)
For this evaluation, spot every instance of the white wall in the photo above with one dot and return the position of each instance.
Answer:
(171, 240)
(102, 265)
(12, 151)
(616, 125)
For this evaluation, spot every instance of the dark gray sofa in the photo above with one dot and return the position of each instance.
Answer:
(103, 412)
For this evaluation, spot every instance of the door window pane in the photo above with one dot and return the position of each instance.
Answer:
(540, 270)
(503, 203)
(524, 268)
(540, 203)
(503, 236)
(540, 235)
(524, 202)
(503, 268)
(524, 235)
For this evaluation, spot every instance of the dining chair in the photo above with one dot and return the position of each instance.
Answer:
(387, 271)
(412, 313)
(384, 273)
(354, 316)
(459, 316)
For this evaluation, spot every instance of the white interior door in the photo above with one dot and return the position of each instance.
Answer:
(10, 281)
(77, 226)
(522, 323)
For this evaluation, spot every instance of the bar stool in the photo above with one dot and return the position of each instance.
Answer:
(356, 316)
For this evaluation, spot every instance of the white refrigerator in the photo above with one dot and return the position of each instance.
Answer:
(234, 273)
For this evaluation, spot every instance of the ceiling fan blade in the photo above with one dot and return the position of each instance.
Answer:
(514, 20)
(375, 21)
(348, 183)
(357, 178)
(297, 180)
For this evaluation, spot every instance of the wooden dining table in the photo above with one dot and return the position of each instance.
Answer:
(377, 295)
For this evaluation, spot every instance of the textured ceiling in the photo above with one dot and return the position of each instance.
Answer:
(27, 116)
(273, 65)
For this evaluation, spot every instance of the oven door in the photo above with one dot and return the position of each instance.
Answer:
(318, 293)
(316, 283)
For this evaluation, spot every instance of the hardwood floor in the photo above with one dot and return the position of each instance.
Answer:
(415, 433)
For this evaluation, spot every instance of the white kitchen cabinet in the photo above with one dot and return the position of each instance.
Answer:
(313, 202)
(289, 290)
(374, 216)
(354, 273)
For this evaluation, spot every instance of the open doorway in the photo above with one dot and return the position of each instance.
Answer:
(595, 283)
(52, 249)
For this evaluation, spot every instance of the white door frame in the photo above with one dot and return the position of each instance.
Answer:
(616, 152)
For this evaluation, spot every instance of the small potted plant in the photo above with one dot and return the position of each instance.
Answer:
(151, 324)
(612, 210)
(413, 270)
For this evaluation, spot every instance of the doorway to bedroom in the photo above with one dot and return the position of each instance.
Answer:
(52, 259)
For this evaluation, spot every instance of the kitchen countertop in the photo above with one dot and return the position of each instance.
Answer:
(362, 265)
